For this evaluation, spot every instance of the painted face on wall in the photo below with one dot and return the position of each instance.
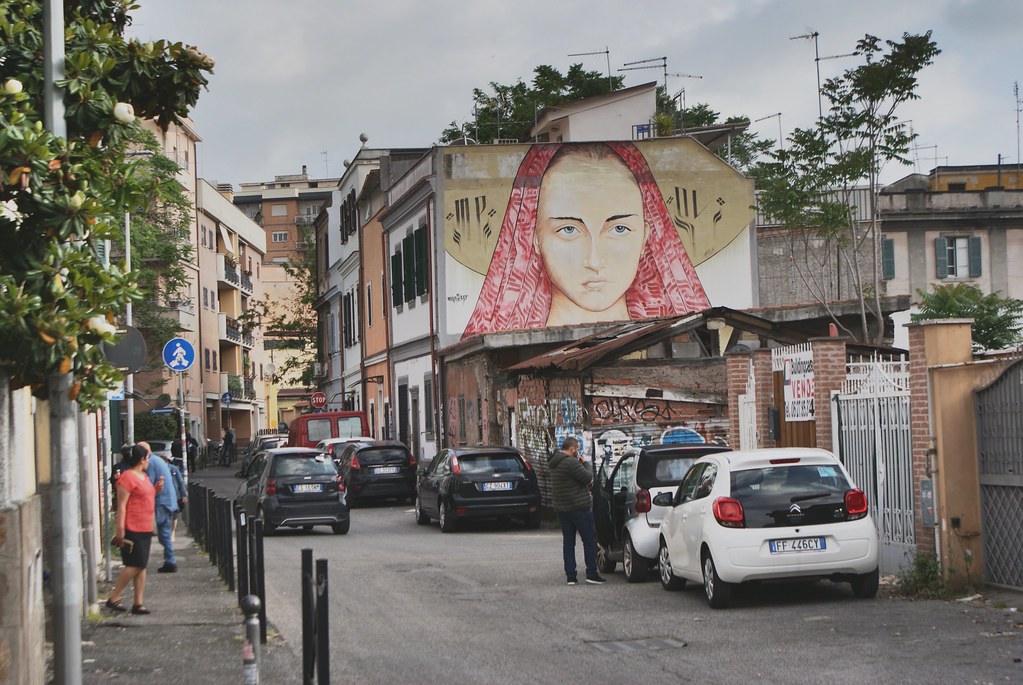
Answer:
(590, 234)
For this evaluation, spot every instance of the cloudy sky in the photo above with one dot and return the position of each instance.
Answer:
(294, 80)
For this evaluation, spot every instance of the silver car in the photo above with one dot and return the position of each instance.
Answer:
(627, 520)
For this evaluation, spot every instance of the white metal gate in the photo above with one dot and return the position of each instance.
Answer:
(748, 413)
(872, 436)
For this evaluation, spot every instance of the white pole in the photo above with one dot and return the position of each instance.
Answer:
(129, 379)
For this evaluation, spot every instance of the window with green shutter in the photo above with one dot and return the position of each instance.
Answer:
(422, 261)
(396, 282)
(887, 259)
(408, 249)
(940, 258)
(974, 250)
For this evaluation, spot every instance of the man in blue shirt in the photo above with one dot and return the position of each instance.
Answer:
(166, 507)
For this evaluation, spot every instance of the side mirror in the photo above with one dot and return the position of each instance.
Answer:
(664, 499)
(421, 471)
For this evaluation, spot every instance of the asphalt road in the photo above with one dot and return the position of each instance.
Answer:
(489, 604)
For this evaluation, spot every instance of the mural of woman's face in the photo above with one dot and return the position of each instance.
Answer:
(590, 234)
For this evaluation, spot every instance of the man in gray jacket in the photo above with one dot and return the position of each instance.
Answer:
(571, 481)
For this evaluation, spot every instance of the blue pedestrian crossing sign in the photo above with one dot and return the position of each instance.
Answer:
(178, 354)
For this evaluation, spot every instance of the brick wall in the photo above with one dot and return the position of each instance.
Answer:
(765, 395)
(920, 417)
(738, 375)
(829, 365)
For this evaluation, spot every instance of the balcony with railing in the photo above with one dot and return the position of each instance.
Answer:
(227, 271)
(246, 281)
(248, 340)
(230, 329)
(249, 388)
(182, 312)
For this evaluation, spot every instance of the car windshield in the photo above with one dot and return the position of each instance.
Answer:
(303, 465)
(662, 471)
(478, 464)
(788, 495)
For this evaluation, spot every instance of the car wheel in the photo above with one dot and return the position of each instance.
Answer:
(533, 520)
(604, 561)
(719, 593)
(268, 529)
(341, 528)
(421, 517)
(447, 519)
(669, 581)
(634, 564)
(865, 586)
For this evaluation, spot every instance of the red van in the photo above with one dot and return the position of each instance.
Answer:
(309, 429)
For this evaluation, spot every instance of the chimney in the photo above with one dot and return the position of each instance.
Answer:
(305, 172)
(227, 190)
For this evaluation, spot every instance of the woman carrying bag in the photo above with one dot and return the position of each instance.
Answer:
(133, 530)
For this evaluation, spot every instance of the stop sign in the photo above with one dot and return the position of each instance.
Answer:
(318, 400)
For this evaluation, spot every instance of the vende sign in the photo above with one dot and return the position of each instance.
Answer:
(797, 364)
(318, 400)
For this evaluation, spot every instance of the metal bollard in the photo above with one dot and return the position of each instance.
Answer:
(228, 545)
(260, 581)
(322, 624)
(243, 553)
(308, 618)
(252, 656)
(210, 532)
(252, 554)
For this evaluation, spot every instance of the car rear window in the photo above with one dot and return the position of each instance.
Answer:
(477, 464)
(661, 471)
(303, 465)
(349, 427)
(384, 453)
(319, 429)
(788, 495)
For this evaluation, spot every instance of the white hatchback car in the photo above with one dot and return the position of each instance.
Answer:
(763, 515)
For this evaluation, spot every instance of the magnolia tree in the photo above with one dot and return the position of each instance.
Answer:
(61, 199)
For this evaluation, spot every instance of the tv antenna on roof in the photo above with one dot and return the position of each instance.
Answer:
(631, 66)
(326, 164)
(607, 53)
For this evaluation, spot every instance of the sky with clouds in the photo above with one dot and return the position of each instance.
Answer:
(294, 80)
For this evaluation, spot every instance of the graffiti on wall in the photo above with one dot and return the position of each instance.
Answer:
(584, 232)
(611, 410)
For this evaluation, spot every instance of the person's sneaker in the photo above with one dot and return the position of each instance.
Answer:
(168, 568)
(595, 580)
(571, 581)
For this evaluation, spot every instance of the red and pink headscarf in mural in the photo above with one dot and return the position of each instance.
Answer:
(516, 293)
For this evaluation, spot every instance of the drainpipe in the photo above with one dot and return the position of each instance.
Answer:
(433, 339)
(362, 312)
(386, 423)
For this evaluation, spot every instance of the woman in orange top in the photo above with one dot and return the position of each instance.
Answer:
(136, 506)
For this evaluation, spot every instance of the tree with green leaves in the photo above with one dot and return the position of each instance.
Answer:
(809, 186)
(508, 112)
(997, 321)
(61, 199)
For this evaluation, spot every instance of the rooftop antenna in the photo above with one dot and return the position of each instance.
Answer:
(781, 144)
(1015, 92)
(607, 53)
(817, 62)
(630, 66)
(326, 164)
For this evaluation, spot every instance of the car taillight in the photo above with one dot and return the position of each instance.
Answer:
(340, 483)
(455, 467)
(855, 504)
(356, 466)
(643, 501)
(728, 512)
(411, 459)
(271, 487)
(529, 467)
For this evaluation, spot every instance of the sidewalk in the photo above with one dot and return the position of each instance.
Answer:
(194, 634)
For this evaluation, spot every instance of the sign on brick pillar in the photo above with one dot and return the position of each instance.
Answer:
(829, 366)
(738, 373)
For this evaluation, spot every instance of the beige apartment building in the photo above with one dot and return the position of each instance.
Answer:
(286, 209)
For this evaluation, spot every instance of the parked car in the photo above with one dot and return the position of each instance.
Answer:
(477, 482)
(627, 521)
(764, 515)
(378, 468)
(296, 487)
(161, 448)
(260, 443)
(335, 446)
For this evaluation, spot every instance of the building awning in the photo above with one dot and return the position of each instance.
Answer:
(227, 239)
